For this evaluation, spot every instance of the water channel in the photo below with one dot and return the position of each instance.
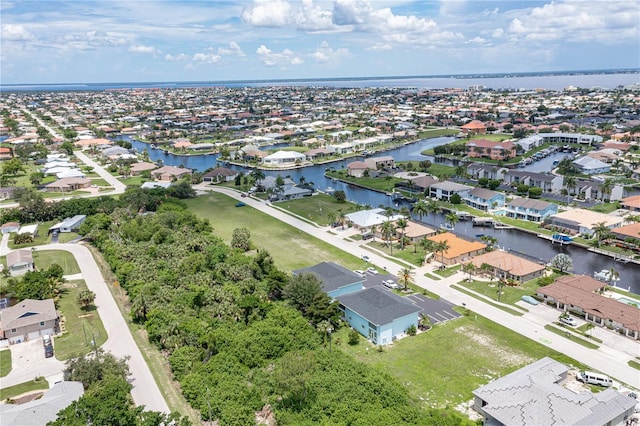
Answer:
(584, 262)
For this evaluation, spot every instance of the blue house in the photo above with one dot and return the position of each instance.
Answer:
(379, 315)
(531, 210)
(336, 280)
(484, 199)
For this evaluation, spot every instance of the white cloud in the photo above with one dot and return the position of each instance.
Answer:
(178, 57)
(313, 18)
(15, 32)
(282, 59)
(325, 54)
(207, 58)
(139, 48)
(233, 50)
(476, 40)
(497, 33)
(267, 13)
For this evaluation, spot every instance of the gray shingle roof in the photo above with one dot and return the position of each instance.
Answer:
(332, 275)
(28, 312)
(377, 305)
(43, 410)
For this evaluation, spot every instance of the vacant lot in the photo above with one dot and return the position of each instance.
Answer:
(321, 209)
(444, 365)
(290, 247)
(45, 258)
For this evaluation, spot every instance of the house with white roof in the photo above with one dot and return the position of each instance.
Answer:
(284, 158)
(365, 219)
(583, 222)
(591, 166)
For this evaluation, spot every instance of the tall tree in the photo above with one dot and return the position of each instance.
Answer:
(442, 247)
(420, 209)
(387, 229)
(405, 276)
(402, 225)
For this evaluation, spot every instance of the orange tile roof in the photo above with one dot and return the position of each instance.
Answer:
(507, 262)
(457, 246)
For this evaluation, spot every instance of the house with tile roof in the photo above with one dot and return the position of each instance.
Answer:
(19, 262)
(579, 294)
(28, 320)
(357, 169)
(483, 148)
(509, 266)
(459, 249)
(631, 203)
(536, 395)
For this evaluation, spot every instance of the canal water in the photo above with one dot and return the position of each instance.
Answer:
(584, 262)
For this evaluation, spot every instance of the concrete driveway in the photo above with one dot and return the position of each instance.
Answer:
(28, 362)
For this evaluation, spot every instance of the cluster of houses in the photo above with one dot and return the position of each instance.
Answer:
(68, 176)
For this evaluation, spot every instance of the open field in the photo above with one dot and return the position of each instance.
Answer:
(45, 258)
(81, 325)
(442, 366)
(321, 208)
(268, 233)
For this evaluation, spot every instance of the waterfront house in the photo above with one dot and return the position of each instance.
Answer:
(489, 171)
(378, 163)
(29, 320)
(19, 262)
(363, 220)
(631, 203)
(484, 199)
(530, 142)
(316, 153)
(357, 169)
(137, 168)
(478, 148)
(423, 182)
(628, 233)
(415, 232)
(545, 181)
(459, 249)
(579, 294)
(87, 143)
(342, 148)
(530, 209)
(542, 399)
(444, 190)
(583, 222)
(336, 279)
(509, 266)
(284, 158)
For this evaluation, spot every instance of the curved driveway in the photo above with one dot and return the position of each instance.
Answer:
(120, 342)
(610, 360)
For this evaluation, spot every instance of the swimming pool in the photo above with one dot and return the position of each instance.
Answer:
(629, 302)
(499, 212)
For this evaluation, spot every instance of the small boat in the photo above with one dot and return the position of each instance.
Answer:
(563, 239)
(329, 190)
(605, 275)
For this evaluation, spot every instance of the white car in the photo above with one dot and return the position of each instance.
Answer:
(390, 284)
(569, 321)
(362, 274)
(372, 270)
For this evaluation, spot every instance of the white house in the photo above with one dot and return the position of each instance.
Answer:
(284, 158)
(591, 166)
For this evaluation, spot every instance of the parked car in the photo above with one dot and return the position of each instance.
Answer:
(240, 204)
(48, 346)
(367, 236)
(530, 300)
(594, 378)
(390, 284)
(244, 194)
(569, 321)
(362, 274)
(372, 270)
(366, 258)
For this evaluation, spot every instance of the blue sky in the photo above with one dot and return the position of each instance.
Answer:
(134, 41)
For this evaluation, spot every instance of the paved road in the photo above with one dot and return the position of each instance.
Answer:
(610, 359)
(120, 342)
(118, 186)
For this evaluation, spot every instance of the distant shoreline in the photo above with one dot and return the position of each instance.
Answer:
(186, 84)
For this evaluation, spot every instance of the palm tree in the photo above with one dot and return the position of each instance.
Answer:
(428, 246)
(469, 268)
(612, 275)
(570, 183)
(405, 276)
(257, 176)
(601, 232)
(420, 209)
(402, 224)
(404, 211)
(342, 218)
(442, 247)
(373, 229)
(451, 219)
(605, 188)
(487, 269)
(433, 207)
(387, 229)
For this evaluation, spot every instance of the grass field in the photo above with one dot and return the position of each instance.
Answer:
(45, 258)
(510, 295)
(5, 362)
(81, 326)
(377, 184)
(39, 384)
(302, 250)
(441, 367)
(320, 208)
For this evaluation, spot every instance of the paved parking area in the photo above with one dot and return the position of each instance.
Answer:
(438, 311)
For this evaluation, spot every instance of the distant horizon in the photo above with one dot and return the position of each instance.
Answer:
(461, 76)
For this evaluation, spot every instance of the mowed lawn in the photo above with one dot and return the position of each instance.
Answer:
(45, 258)
(441, 367)
(290, 248)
